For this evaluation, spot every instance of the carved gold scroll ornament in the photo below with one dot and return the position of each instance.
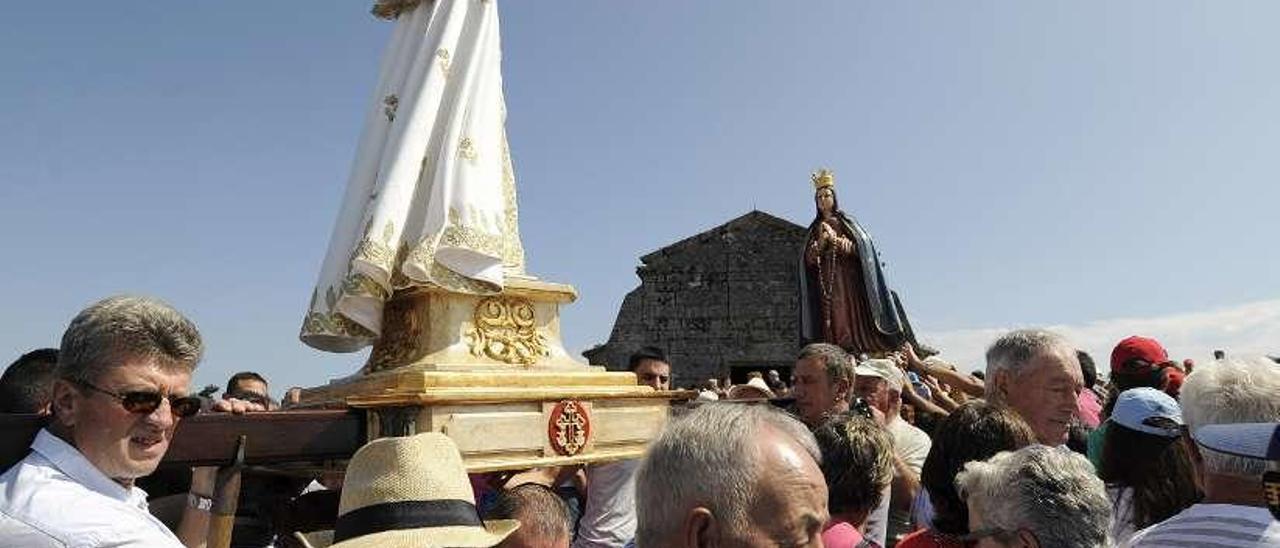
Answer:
(505, 330)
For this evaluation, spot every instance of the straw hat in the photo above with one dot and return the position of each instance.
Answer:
(754, 389)
(409, 492)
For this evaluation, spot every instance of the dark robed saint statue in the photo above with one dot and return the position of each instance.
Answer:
(843, 296)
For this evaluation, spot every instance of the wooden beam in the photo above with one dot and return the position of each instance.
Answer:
(274, 437)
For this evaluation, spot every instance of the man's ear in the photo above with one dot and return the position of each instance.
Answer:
(63, 404)
(1027, 539)
(843, 389)
(701, 530)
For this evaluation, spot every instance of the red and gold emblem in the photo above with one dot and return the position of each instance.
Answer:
(569, 427)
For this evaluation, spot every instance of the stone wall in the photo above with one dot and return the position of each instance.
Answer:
(723, 301)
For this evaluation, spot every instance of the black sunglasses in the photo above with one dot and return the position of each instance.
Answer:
(145, 402)
(251, 397)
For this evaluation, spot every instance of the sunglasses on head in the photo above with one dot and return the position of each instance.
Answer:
(145, 402)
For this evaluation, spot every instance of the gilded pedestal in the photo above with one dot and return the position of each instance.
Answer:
(492, 373)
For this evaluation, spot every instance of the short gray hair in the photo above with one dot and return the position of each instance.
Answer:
(127, 327)
(834, 359)
(708, 457)
(1232, 390)
(539, 509)
(1052, 492)
(1015, 349)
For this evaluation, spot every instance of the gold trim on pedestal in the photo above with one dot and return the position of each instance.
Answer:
(504, 329)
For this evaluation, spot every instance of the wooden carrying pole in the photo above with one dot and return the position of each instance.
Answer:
(226, 496)
(206, 439)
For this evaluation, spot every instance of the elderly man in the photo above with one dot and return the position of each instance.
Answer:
(880, 383)
(821, 383)
(544, 518)
(1234, 508)
(1035, 497)
(731, 475)
(121, 388)
(1037, 374)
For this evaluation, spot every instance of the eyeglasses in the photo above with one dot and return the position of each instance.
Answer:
(145, 402)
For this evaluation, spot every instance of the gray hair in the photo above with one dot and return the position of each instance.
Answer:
(540, 511)
(127, 327)
(1052, 492)
(834, 359)
(708, 457)
(1232, 390)
(1015, 349)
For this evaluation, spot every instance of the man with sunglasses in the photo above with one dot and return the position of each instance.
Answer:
(121, 389)
(250, 387)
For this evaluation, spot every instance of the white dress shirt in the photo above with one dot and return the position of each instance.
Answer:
(57, 498)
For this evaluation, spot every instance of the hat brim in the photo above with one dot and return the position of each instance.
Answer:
(315, 539)
(461, 536)
(748, 392)
(1253, 440)
(869, 372)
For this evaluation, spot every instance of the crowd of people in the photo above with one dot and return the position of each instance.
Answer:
(895, 449)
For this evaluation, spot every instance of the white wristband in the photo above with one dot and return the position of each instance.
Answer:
(199, 503)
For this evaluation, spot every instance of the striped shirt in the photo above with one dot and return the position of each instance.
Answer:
(1213, 526)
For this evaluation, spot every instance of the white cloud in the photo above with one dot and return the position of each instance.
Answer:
(1252, 328)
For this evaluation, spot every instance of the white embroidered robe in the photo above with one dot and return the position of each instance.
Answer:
(431, 195)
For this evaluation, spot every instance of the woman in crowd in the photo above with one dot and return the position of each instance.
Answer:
(975, 431)
(1145, 466)
(857, 462)
(1135, 362)
(1035, 497)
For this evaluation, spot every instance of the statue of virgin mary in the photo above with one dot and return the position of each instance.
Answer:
(431, 198)
(844, 299)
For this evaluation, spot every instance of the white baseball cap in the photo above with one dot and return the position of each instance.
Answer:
(1148, 410)
(883, 368)
(1258, 440)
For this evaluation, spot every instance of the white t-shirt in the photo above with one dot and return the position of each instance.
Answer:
(911, 444)
(56, 498)
(1216, 525)
(609, 520)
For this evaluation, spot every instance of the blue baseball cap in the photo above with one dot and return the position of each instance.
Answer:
(1257, 440)
(1148, 410)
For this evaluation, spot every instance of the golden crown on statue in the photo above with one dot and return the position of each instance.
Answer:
(822, 178)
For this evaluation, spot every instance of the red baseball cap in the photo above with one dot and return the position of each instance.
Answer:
(1138, 348)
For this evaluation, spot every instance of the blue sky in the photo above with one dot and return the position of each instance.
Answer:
(1018, 163)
